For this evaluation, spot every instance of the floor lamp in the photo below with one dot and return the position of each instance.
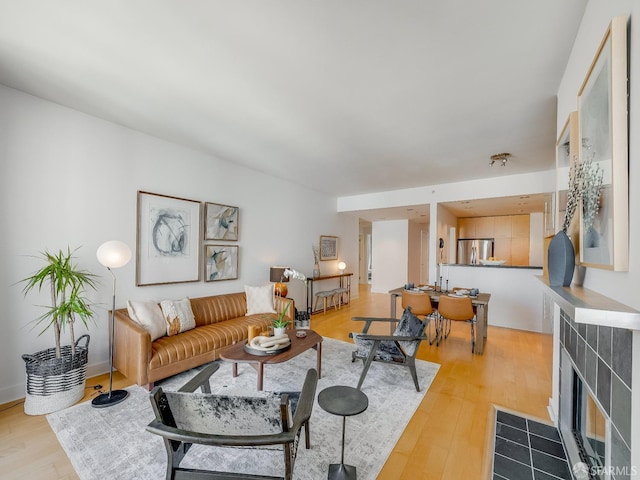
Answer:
(112, 254)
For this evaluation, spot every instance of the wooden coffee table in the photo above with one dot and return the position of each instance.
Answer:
(236, 354)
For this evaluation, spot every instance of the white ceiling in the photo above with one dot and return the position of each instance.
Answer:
(345, 97)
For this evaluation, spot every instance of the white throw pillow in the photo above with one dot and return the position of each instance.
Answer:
(148, 315)
(178, 316)
(259, 299)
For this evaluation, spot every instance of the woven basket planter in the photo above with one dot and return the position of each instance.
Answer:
(55, 383)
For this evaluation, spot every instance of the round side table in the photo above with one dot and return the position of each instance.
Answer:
(344, 401)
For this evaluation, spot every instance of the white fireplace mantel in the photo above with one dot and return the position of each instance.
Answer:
(587, 306)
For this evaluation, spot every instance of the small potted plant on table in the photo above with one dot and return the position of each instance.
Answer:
(280, 323)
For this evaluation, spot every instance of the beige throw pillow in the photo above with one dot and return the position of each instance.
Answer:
(259, 299)
(178, 316)
(148, 315)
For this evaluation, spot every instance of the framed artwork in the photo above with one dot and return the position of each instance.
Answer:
(168, 240)
(220, 222)
(603, 126)
(221, 262)
(567, 157)
(328, 247)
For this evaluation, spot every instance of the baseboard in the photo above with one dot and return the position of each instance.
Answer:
(13, 393)
(487, 463)
(552, 413)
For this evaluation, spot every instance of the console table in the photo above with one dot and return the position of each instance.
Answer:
(345, 282)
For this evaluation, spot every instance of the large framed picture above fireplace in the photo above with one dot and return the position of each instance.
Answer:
(603, 126)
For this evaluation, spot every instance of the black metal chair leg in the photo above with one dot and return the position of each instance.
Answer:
(473, 338)
(367, 363)
(414, 375)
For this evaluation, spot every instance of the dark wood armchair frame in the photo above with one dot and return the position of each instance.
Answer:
(178, 442)
(409, 361)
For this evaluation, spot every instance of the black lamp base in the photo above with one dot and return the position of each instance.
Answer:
(340, 471)
(108, 399)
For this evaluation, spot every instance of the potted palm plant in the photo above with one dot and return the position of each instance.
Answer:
(56, 376)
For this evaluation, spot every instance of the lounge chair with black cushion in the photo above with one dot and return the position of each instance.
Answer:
(271, 421)
(399, 348)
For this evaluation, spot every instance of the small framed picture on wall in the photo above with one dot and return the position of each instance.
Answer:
(220, 222)
(221, 262)
(328, 247)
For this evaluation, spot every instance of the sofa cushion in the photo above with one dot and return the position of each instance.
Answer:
(149, 316)
(259, 299)
(178, 315)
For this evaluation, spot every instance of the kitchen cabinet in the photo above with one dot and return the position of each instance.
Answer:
(502, 249)
(467, 228)
(520, 251)
(485, 227)
(510, 233)
(502, 227)
(520, 226)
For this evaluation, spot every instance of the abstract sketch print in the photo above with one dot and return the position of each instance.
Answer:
(169, 232)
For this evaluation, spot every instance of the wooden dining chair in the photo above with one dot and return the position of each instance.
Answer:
(457, 309)
(421, 306)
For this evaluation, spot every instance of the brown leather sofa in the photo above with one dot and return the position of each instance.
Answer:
(220, 321)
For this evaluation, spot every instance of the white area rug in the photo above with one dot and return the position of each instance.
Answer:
(113, 443)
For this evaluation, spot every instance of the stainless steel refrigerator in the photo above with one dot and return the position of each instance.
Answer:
(472, 250)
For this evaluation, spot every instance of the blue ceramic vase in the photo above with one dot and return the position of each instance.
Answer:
(561, 260)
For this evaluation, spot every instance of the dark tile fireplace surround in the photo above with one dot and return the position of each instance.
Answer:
(602, 356)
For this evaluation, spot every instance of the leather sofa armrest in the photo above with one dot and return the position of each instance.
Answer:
(131, 349)
(280, 303)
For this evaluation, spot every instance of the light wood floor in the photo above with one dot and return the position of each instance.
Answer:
(446, 438)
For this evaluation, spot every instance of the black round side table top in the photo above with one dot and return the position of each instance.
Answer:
(343, 400)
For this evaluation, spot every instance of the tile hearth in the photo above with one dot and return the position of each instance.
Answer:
(526, 449)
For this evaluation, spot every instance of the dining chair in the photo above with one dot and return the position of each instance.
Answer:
(457, 309)
(421, 306)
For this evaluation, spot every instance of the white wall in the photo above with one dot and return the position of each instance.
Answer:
(621, 286)
(390, 240)
(536, 240)
(414, 253)
(69, 179)
(446, 221)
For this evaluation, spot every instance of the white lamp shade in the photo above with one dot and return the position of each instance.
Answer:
(342, 265)
(114, 254)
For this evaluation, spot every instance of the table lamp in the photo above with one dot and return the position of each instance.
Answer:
(341, 267)
(112, 254)
(276, 274)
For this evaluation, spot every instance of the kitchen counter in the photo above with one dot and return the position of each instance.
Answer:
(489, 266)
(516, 297)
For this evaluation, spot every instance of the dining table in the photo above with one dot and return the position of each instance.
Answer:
(480, 303)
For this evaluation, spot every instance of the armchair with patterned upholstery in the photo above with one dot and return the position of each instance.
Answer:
(399, 348)
(271, 421)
